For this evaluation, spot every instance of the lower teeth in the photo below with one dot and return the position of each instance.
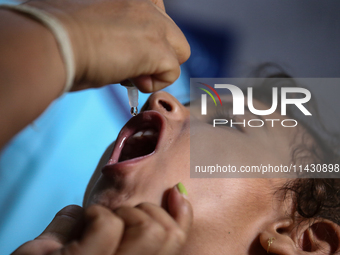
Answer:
(142, 147)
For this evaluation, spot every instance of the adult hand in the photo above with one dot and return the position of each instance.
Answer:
(115, 40)
(112, 40)
(144, 229)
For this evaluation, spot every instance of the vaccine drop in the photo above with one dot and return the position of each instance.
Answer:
(134, 111)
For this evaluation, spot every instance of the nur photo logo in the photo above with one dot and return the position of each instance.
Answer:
(240, 103)
(204, 98)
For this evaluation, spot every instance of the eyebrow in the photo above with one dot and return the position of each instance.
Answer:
(246, 108)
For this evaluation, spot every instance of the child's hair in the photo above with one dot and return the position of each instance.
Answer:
(312, 197)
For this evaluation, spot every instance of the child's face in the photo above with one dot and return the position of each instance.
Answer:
(225, 210)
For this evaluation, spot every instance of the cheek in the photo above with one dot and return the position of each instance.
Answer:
(211, 147)
(209, 194)
(218, 204)
(176, 159)
(223, 201)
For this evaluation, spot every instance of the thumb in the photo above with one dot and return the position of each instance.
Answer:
(65, 226)
(180, 208)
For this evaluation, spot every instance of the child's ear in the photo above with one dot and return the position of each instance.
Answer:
(314, 237)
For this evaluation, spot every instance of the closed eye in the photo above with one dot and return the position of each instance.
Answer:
(226, 113)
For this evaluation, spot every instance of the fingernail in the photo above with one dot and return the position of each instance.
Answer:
(182, 189)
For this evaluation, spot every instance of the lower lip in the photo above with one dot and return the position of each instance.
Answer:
(113, 165)
(124, 164)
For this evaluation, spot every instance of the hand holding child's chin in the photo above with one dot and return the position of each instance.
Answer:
(143, 229)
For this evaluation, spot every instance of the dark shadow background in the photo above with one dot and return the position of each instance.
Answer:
(302, 36)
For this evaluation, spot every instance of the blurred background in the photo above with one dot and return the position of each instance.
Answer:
(48, 165)
(302, 36)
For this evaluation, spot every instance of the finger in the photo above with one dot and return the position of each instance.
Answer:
(181, 211)
(102, 234)
(157, 81)
(143, 235)
(64, 225)
(179, 44)
(160, 215)
(180, 208)
(165, 73)
(175, 235)
(177, 39)
(143, 83)
(168, 70)
(132, 216)
(166, 78)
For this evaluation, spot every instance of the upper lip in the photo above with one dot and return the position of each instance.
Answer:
(144, 120)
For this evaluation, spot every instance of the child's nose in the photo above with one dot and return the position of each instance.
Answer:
(167, 105)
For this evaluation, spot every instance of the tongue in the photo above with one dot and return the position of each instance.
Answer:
(141, 147)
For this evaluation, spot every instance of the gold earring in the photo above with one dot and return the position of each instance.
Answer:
(270, 241)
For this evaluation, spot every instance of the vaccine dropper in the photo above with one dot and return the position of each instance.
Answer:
(133, 97)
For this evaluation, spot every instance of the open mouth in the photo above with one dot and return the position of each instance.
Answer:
(140, 144)
(139, 138)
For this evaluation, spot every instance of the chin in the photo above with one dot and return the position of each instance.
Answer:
(110, 199)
